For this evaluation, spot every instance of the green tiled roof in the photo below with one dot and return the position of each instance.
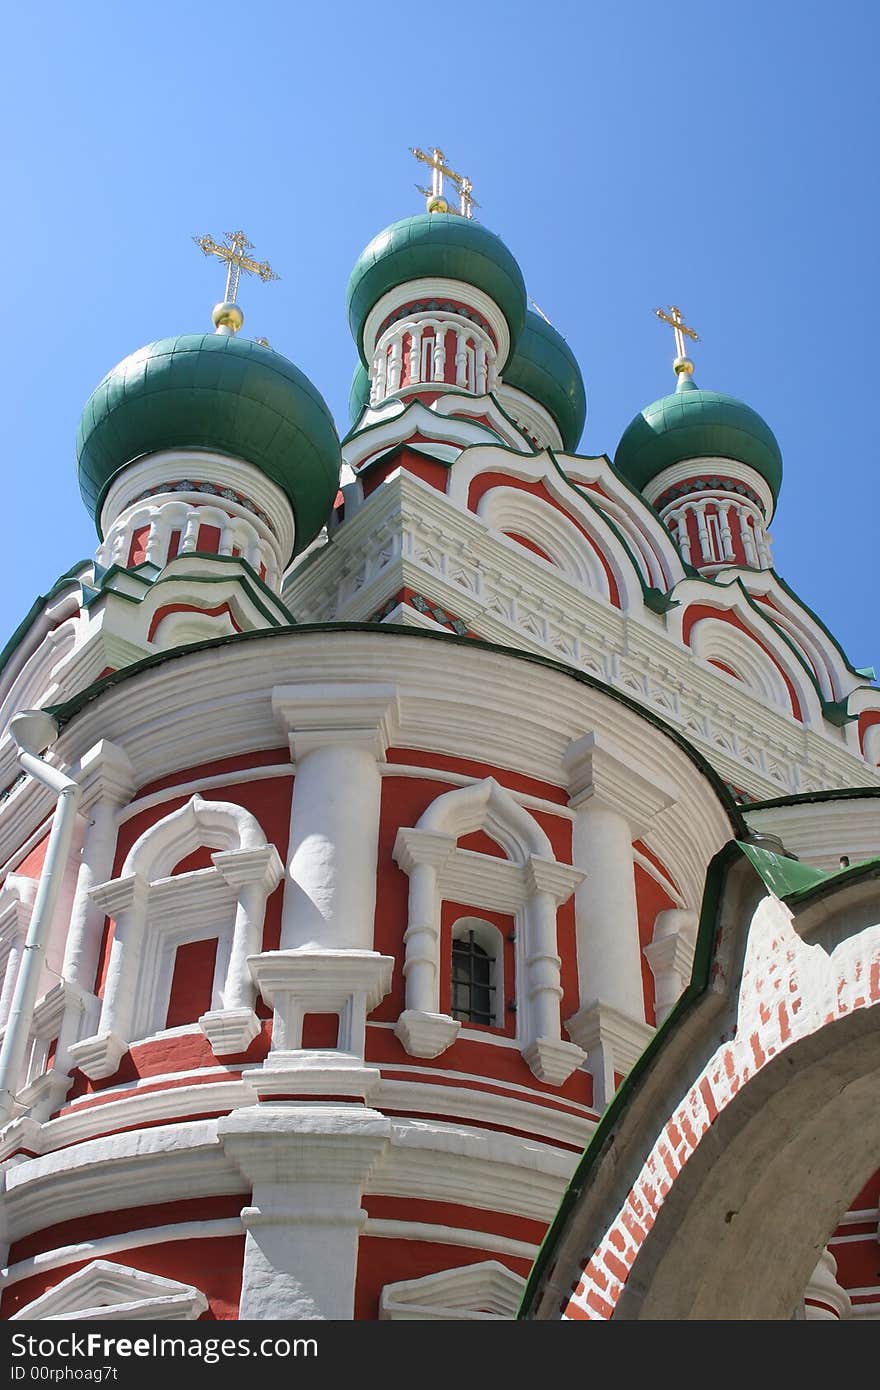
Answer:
(694, 424)
(225, 394)
(436, 246)
(545, 368)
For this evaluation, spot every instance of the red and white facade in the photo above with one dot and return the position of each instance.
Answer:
(506, 709)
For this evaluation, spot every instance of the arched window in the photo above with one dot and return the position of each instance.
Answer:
(477, 973)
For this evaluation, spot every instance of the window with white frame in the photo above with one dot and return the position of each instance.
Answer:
(477, 994)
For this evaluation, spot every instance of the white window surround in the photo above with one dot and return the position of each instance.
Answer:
(487, 1291)
(490, 939)
(108, 1292)
(16, 904)
(156, 912)
(529, 884)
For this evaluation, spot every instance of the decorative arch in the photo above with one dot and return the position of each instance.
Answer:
(155, 913)
(529, 883)
(738, 654)
(513, 510)
(488, 806)
(220, 825)
(478, 472)
(641, 527)
(731, 605)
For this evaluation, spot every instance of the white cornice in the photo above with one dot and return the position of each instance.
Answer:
(711, 467)
(177, 465)
(412, 290)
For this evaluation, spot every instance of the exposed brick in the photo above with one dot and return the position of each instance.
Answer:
(616, 1266)
(601, 1305)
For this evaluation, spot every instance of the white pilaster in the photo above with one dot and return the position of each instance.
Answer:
(614, 802)
(107, 779)
(337, 734)
(308, 1165)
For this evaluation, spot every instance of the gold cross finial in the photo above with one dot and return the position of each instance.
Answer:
(227, 316)
(674, 318)
(435, 200)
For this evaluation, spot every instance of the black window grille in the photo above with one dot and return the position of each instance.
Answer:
(472, 986)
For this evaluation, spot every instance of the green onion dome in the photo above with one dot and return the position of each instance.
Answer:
(694, 424)
(217, 392)
(545, 368)
(436, 245)
(359, 395)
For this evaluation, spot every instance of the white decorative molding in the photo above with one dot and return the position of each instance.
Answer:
(487, 1291)
(413, 291)
(711, 467)
(824, 1298)
(235, 475)
(105, 1291)
(108, 1292)
(302, 1237)
(348, 984)
(530, 415)
(352, 713)
(613, 1042)
(671, 957)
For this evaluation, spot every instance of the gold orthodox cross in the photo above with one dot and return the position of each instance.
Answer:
(436, 162)
(679, 327)
(236, 261)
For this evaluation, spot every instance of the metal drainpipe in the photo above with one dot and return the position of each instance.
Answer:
(34, 731)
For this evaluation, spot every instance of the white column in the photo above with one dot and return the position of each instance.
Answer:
(395, 364)
(107, 779)
(125, 900)
(609, 953)
(481, 366)
(724, 527)
(421, 1028)
(681, 532)
(439, 351)
(15, 934)
(415, 355)
(157, 540)
(824, 1298)
(543, 962)
(461, 357)
(337, 734)
(189, 539)
(614, 801)
(252, 874)
(748, 537)
(699, 511)
(380, 373)
(307, 1166)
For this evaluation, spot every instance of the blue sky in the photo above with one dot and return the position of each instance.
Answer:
(720, 156)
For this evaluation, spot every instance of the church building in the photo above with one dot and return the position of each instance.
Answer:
(439, 870)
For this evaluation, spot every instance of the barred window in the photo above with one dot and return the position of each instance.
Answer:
(473, 985)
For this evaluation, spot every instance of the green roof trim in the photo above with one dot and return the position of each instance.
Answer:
(435, 246)
(694, 424)
(811, 798)
(544, 367)
(783, 876)
(219, 393)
